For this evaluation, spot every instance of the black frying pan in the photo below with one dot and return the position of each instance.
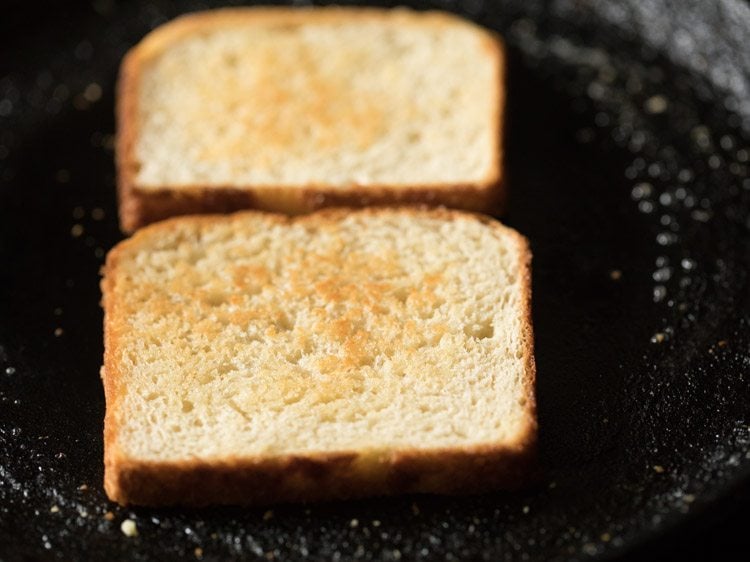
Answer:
(628, 154)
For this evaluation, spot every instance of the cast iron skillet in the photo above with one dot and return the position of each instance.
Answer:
(628, 153)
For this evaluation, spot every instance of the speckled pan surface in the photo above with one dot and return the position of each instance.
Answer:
(628, 155)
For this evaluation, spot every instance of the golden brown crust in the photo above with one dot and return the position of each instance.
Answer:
(125, 161)
(318, 477)
(201, 21)
(110, 372)
(139, 207)
(315, 476)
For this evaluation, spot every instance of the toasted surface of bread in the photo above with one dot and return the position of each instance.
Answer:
(255, 358)
(290, 110)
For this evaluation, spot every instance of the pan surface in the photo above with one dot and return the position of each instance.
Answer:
(628, 154)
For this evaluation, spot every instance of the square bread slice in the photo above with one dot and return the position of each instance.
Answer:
(255, 358)
(290, 110)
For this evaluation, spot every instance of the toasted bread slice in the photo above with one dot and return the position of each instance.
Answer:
(255, 358)
(290, 110)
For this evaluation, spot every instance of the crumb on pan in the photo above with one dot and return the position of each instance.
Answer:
(129, 528)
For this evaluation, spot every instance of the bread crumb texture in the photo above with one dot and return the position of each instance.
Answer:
(328, 97)
(256, 335)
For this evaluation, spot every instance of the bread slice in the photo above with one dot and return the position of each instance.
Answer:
(290, 110)
(256, 358)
